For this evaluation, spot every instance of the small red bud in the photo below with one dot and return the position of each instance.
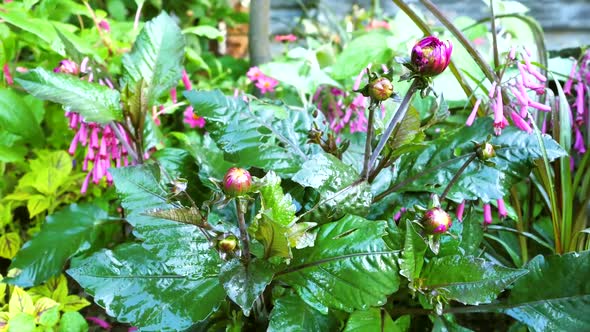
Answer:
(436, 221)
(380, 89)
(237, 182)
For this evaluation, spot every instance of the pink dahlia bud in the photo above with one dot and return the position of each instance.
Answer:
(436, 221)
(431, 56)
(237, 181)
(228, 244)
(380, 89)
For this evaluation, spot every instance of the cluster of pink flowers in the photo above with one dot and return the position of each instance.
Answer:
(262, 82)
(580, 76)
(516, 92)
(487, 211)
(103, 147)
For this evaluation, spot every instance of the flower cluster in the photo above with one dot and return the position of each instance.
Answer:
(487, 211)
(513, 97)
(580, 76)
(105, 145)
(264, 83)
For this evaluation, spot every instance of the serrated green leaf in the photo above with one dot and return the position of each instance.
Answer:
(156, 57)
(73, 228)
(95, 102)
(431, 168)
(349, 268)
(290, 313)
(373, 319)
(412, 257)
(136, 287)
(252, 135)
(467, 279)
(9, 245)
(244, 284)
(554, 295)
(18, 119)
(334, 180)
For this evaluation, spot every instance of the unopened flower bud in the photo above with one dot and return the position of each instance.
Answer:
(430, 56)
(237, 181)
(228, 244)
(486, 151)
(380, 89)
(436, 221)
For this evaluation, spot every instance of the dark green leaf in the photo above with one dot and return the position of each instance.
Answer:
(96, 103)
(334, 180)
(432, 168)
(156, 58)
(554, 295)
(467, 279)
(349, 268)
(290, 313)
(242, 284)
(412, 257)
(18, 119)
(472, 235)
(136, 287)
(373, 319)
(253, 134)
(63, 234)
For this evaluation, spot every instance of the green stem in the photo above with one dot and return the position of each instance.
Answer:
(494, 37)
(368, 147)
(399, 115)
(483, 65)
(524, 253)
(244, 238)
(456, 176)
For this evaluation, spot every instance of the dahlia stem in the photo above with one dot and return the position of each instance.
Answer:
(368, 147)
(244, 238)
(457, 175)
(399, 115)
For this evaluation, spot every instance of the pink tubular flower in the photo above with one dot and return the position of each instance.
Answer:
(100, 322)
(473, 114)
(7, 75)
(501, 208)
(285, 38)
(192, 119)
(487, 214)
(520, 122)
(186, 81)
(266, 84)
(579, 142)
(460, 210)
(431, 56)
(567, 88)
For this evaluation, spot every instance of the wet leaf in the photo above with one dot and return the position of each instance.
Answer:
(290, 313)
(373, 319)
(244, 285)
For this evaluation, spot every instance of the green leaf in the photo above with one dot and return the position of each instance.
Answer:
(271, 226)
(432, 168)
(412, 257)
(96, 103)
(290, 313)
(405, 132)
(354, 57)
(334, 180)
(147, 294)
(9, 245)
(467, 279)
(156, 58)
(244, 284)
(349, 268)
(255, 134)
(47, 312)
(373, 319)
(554, 295)
(72, 322)
(20, 302)
(18, 119)
(50, 170)
(41, 28)
(37, 204)
(21, 322)
(206, 31)
(73, 228)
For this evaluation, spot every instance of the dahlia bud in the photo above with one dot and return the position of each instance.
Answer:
(430, 56)
(380, 89)
(237, 181)
(436, 221)
(228, 244)
(486, 151)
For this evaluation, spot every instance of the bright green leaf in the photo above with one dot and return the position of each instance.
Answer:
(373, 319)
(9, 245)
(46, 312)
(21, 322)
(467, 279)
(20, 301)
(206, 31)
(37, 204)
(354, 57)
(96, 103)
(349, 268)
(74, 228)
(72, 322)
